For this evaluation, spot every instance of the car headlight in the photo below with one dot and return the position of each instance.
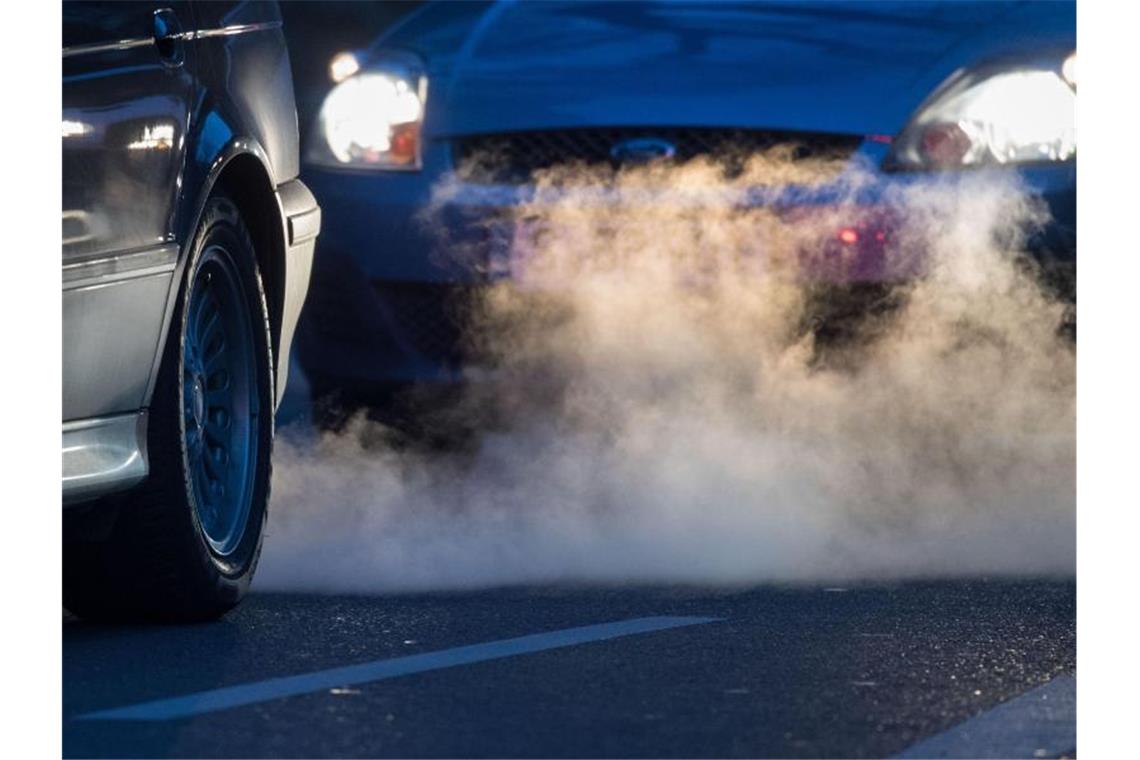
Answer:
(372, 120)
(343, 65)
(1010, 115)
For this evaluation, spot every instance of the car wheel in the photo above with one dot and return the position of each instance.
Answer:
(184, 544)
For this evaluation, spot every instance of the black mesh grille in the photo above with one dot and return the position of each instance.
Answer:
(512, 157)
(428, 318)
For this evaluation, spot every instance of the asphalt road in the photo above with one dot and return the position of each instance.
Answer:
(863, 671)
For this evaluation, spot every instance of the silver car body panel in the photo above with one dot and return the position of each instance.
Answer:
(113, 312)
(127, 296)
(103, 455)
(302, 218)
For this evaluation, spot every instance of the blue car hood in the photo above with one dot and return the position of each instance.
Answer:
(856, 68)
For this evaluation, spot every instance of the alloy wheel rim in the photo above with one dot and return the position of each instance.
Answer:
(219, 399)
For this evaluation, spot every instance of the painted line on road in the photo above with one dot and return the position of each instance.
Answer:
(379, 670)
(1041, 722)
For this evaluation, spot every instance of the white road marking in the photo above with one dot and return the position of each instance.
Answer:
(1041, 722)
(378, 670)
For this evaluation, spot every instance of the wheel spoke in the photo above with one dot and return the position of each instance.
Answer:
(209, 323)
(220, 457)
(211, 437)
(218, 490)
(213, 356)
(214, 469)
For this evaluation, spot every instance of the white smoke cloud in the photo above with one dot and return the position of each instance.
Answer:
(658, 409)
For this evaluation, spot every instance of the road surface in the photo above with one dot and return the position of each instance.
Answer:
(872, 670)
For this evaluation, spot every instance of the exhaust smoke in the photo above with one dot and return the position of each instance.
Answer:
(674, 383)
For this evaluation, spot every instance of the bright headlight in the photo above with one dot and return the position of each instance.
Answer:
(1008, 116)
(371, 121)
(342, 66)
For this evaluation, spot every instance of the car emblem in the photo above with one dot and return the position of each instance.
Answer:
(642, 150)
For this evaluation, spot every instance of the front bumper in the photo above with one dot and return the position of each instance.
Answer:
(301, 217)
(387, 290)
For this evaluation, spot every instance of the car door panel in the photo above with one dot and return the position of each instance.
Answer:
(126, 106)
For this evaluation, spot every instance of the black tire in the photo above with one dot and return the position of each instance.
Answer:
(157, 562)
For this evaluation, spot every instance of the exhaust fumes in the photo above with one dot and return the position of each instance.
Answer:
(690, 374)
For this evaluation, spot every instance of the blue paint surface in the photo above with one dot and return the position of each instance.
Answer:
(379, 670)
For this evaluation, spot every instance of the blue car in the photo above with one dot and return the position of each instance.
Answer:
(909, 89)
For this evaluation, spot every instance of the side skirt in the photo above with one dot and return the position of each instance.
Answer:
(103, 455)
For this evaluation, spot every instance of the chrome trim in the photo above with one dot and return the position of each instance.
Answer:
(122, 266)
(104, 455)
(107, 47)
(225, 31)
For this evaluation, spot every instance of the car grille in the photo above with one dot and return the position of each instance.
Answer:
(511, 158)
(429, 318)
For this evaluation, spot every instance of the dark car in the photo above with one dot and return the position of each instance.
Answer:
(187, 246)
(909, 91)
